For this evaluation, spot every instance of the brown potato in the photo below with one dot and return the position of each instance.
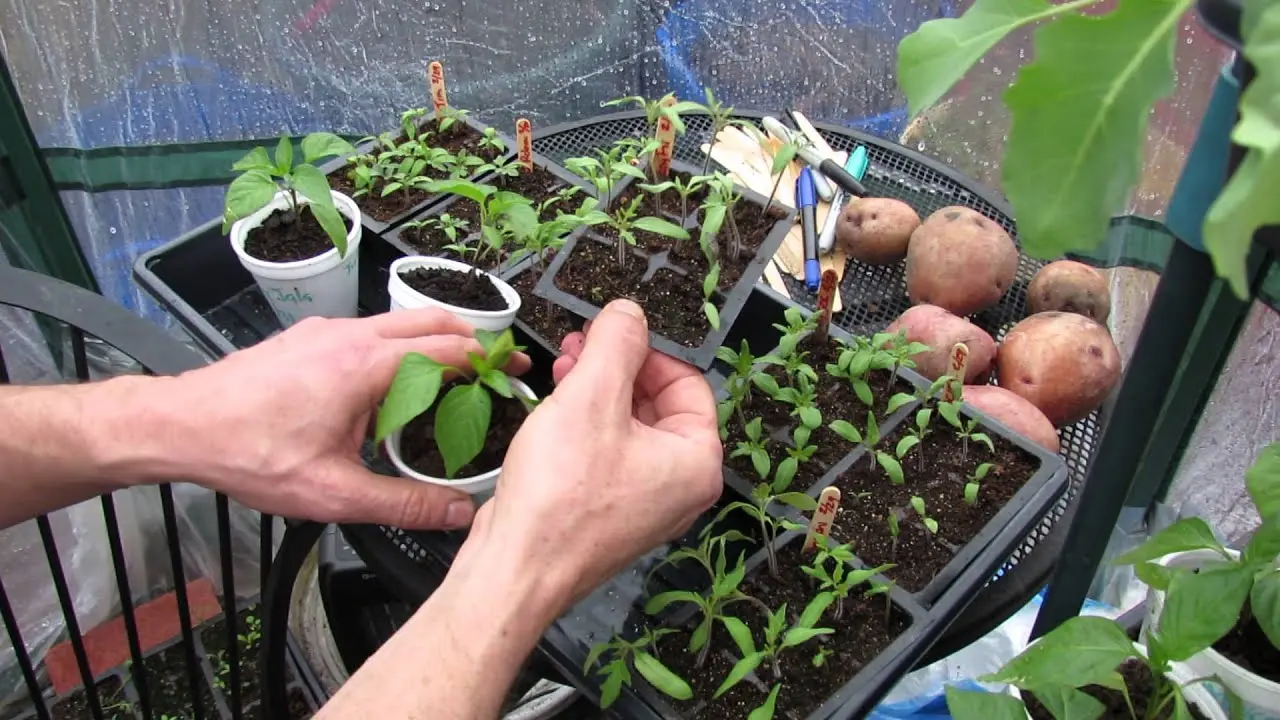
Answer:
(960, 260)
(1063, 363)
(1070, 286)
(1011, 409)
(876, 230)
(940, 330)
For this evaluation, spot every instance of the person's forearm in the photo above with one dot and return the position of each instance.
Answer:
(461, 651)
(66, 443)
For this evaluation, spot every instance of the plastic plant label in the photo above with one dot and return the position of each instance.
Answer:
(957, 366)
(439, 98)
(823, 517)
(826, 296)
(666, 137)
(524, 142)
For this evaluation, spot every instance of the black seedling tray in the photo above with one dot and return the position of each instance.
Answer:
(732, 302)
(378, 227)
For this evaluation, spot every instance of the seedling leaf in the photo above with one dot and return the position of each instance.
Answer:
(905, 445)
(1264, 600)
(659, 602)
(891, 467)
(413, 391)
(798, 635)
(744, 667)
(661, 227)
(256, 159)
(765, 711)
(740, 633)
(798, 500)
(846, 430)
(1068, 703)
(468, 409)
(660, 677)
(1263, 481)
(979, 705)
(1081, 651)
(897, 402)
(320, 145)
(1190, 533)
(247, 194)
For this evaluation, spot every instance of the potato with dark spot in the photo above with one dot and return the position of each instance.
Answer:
(1070, 286)
(876, 230)
(1014, 411)
(1063, 363)
(940, 330)
(960, 260)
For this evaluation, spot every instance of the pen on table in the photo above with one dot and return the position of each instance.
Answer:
(806, 198)
(857, 167)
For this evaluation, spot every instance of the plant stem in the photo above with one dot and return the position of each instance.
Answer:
(768, 545)
(772, 195)
(964, 448)
(777, 669)
(706, 648)
(893, 376)
(735, 245)
(684, 207)
(839, 609)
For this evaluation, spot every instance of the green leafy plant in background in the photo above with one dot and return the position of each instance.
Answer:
(839, 579)
(262, 176)
(973, 482)
(655, 109)
(624, 654)
(490, 140)
(721, 116)
(465, 411)
(1070, 165)
(625, 222)
(763, 496)
(711, 607)
(778, 636)
(504, 217)
(872, 439)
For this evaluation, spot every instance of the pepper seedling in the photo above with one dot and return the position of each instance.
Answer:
(871, 438)
(501, 166)
(262, 176)
(711, 607)
(465, 164)
(503, 215)
(855, 363)
(883, 588)
(777, 637)
(490, 139)
(762, 496)
(625, 223)
(448, 116)
(966, 431)
(451, 226)
(894, 530)
(464, 412)
(796, 366)
(916, 435)
(917, 504)
(839, 580)
(798, 325)
(617, 672)
(754, 448)
(971, 487)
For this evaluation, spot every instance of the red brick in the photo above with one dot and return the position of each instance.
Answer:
(107, 645)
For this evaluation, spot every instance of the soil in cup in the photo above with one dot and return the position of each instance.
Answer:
(288, 236)
(469, 290)
(1140, 683)
(1247, 646)
(418, 440)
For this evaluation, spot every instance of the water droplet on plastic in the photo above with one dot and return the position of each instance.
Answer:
(997, 71)
(920, 147)
(1188, 41)
(112, 230)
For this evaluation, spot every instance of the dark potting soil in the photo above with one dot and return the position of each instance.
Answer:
(459, 136)
(418, 441)
(472, 291)
(1137, 677)
(868, 497)
(431, 240)
(1247, 646)
(169, 688)
(861, 633)
(539, 185)
(111, 698)
(298, 708)
(215, 641)
(550, 321)
(286, 236)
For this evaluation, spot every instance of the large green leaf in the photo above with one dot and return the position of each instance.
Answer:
(412, 392)
(1079, 652)
(246, 195)
(462, 422)
(1067, 703)
(935, 57)
(978, 705)
(1263, 481)
(319, 145)
(661, 227)
(1264, 601)
(1201, 607)
(661, 678)
(1247, 202)
(1190, 533)
(1079, 121)
(257, 159)
(766, 710)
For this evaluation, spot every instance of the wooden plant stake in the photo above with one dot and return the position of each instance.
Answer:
(826, 295)
(524, 143)
(823, 518)
(666, 137)
(957, 366)
(439, 98)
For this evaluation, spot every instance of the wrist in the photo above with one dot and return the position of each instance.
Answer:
(531, 594)
(132, 430)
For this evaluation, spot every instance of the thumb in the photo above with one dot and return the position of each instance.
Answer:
(616, 346)
(367, 497)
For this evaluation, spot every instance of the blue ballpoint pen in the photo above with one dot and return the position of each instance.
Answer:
(806, 198)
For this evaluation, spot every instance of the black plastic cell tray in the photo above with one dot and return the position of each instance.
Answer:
(732, 301)
(378, 227)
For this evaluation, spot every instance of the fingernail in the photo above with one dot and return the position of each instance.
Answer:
(458, 514)
(628, 307)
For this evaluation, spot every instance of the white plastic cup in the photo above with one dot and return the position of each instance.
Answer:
(479, 487)
(404, 297)
(325, 285)
(1261, 697)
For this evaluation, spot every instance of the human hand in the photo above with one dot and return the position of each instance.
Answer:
(279, 426)
(622, 457)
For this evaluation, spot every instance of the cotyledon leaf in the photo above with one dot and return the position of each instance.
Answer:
(935, 57)
(1079, 121)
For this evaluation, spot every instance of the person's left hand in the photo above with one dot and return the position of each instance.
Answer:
(279, 426)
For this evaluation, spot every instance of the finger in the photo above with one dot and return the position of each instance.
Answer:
(417, 323)
(562, 367)
(615, 349)
(360, 496)
(675, 388)
(573, 343)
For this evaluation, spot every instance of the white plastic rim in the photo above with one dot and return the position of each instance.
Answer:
(479, 485)
(404, 297)
(1260, 696)
(325, 285)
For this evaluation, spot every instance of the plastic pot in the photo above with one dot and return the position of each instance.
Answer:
(404, 297)
(1260, 696)
(324, 285)
(480, 486)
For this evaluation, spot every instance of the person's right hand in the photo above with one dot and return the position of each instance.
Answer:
(621, 458)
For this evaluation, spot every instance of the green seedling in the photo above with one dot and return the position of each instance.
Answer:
(449, 116)
(777, 637)
(748, 372)
(490, 140)
(720, 116)
(464, 412)
(871, 439)
(768, 707)
(685, 189)
(755, 448)
(545, 239)
(561, 199)
(894, 530)
(796, 366)
(625, 223)
(504, 216)
(709, 286)
(450, 226)
(915, 436)
(624, 655)
(884, 588)
(262, 176)
(763, 496)
(465, 165)
(617, 162)
(502, 167)
(801, 449)
(966, 430)
(711, 607)
(660, 108)
(917, 504)
(781, 158)
(718, 211)
(971, 487)
(803, 399)
(855, 363)
(592, 171)
(798, 326)
(705, 554)
(409, 126)
(900, 352)
(926, 396)
(820, 657)
(632, 149)
(839, 580)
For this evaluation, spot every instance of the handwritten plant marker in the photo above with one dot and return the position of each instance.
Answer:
(957, 366)
(439, 98)
(826, 296)
(823, 518)
(524, 142)
(666, 137)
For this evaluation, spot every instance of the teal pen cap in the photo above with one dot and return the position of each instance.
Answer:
(858, 162)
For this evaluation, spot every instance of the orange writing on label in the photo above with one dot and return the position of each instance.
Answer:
(957, 366)
(524, 142)
(666, 137)
(439, 98)
(826, 296)
(823, 517)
